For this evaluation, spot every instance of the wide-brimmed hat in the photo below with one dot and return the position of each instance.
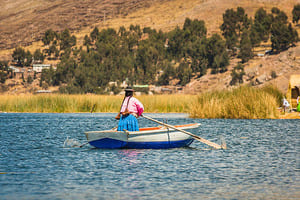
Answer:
(129, 89)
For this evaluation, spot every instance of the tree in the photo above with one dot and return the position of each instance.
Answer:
(146, 59)
(38, 56)
(243, 22)
(87, 40)
(195, 28)
(2, 77)
(279, 16)
(117, 56)
(73, 40)
(4, 65)
(166, 76)
(237, 74)
(28, 58)
(254, 37)
(19, 56)
(184, 73)
(66, 40)
(94, 34)
(4, 71)
(245, 47)
(175, 45)
(216, 54)
(233, 24)
(296, 13)
(282, 36)
(228, 28)
(122, 31)
(293, 35)
(51, 50)
(48, 37)
(262, 24)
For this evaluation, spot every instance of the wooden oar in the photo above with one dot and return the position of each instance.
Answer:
(196, 137)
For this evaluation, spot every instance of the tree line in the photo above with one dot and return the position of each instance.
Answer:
(147, 56)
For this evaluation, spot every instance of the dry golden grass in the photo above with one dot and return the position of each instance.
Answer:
(55, 103)
(241, 103)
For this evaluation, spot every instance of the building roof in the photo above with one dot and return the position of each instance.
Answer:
(41, 65)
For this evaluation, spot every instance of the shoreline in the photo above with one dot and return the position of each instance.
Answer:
(291, 115)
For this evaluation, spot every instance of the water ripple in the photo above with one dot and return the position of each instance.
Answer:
(261, 162)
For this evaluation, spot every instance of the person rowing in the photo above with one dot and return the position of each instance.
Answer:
(131, 109)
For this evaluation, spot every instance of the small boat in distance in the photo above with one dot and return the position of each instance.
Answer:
(160, 137)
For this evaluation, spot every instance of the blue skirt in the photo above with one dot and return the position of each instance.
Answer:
(129, 123)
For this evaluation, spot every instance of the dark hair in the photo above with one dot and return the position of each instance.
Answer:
(128, 93)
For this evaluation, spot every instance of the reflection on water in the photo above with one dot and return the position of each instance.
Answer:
(130, 155)
(261, 162)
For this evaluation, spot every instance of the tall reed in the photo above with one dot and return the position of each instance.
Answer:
(243, 103)
(58, 103)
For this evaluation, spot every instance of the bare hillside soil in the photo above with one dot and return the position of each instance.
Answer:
(258, 72)
(24, 21)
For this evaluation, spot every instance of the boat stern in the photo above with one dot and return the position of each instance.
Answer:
(107, 139)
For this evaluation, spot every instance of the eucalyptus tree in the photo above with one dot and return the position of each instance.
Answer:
(296, 13)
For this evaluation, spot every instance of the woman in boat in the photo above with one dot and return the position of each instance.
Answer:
(131, 109)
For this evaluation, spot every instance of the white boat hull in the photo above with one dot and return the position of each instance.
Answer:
(146, 138)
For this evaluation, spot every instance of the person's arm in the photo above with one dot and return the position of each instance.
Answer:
(139, 107)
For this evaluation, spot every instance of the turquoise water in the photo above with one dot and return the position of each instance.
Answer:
(261, 162)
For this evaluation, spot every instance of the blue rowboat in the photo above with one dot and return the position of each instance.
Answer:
(160, 137)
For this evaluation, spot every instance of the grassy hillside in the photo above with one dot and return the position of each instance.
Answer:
(23, 22)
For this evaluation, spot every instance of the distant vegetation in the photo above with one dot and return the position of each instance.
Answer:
(138, 56)
(148, 56)
(240, 103)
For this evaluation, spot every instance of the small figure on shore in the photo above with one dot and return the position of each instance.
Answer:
(285, 104)
(131, 109)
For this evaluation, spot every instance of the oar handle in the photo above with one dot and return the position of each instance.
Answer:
(212, 144)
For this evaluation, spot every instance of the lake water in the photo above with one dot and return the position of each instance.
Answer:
(261, 162)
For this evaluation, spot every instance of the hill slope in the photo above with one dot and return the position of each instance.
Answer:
(24, 21)
(258, 72)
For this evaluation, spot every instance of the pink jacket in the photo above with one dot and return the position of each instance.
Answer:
(134, 106)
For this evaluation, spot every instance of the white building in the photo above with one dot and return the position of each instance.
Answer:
(39, 67)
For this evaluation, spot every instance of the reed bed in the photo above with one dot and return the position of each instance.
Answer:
(60, 103)
(241, 103)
